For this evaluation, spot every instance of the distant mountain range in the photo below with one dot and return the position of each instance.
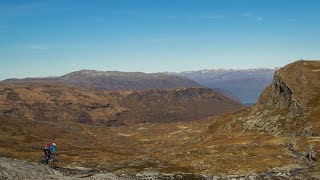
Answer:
(122, 98)
(114, 80)
(245, 84)
(240, 85)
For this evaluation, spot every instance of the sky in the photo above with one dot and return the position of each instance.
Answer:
(54, 37)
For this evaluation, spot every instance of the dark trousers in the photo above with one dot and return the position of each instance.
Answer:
(48, 154)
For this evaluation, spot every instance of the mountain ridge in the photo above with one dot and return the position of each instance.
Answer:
(49, 102)
(227, 70)
(113, 80)
(240, 84)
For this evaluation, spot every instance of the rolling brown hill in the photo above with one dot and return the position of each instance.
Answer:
(290, 105)
(113, 80)
(34, 114)
(60, 103)
(278, 138)
(288, 110)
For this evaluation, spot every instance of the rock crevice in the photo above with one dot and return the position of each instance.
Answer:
(280, 96)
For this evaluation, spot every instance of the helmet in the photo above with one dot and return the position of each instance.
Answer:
(54, 144)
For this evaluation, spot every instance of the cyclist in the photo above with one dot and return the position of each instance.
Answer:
(50, 151)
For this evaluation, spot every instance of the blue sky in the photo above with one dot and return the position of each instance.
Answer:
(53, 37)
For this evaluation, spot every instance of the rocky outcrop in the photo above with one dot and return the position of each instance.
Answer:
(13, 169)
(290, 105)
(279, 95)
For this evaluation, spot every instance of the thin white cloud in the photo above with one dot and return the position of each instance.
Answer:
(158, 40)
(252, 16)
(247, 14)
(172, 17)
(212, 17)
(99, 19)
(31, 5)
(124, 12)
(38, 47)
(158, 37)
(292, 20)
(32, 8)
(260, 19)
(218, 16)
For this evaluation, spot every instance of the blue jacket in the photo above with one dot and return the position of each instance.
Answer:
(53, 149)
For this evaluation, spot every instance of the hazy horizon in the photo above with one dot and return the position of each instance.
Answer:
(196, 70)
(52, 38)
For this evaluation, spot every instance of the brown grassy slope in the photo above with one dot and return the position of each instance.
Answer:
(80, 143)
(66, 103)
(251, 140)
(289, 106)
(289, 109)
(58, 103)
(176, 105)
(163, 147)
(300, 108)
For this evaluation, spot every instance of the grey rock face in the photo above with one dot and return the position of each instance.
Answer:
(18, 169)
(14, 169)
(277, 108)
(280, 96)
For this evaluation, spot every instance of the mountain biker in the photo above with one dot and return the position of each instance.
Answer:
(50, 151)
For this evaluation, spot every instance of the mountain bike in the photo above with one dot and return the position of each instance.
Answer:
(43, 159)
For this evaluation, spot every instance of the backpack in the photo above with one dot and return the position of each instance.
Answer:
(47, 146)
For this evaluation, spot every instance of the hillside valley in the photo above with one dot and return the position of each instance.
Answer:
(63, 103)
(240, 85)
(278, 138)
(159, 90)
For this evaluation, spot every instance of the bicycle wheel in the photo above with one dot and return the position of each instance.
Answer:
(53, 162)
(42, 160)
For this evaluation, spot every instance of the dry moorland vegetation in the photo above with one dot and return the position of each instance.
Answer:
(281, 132)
